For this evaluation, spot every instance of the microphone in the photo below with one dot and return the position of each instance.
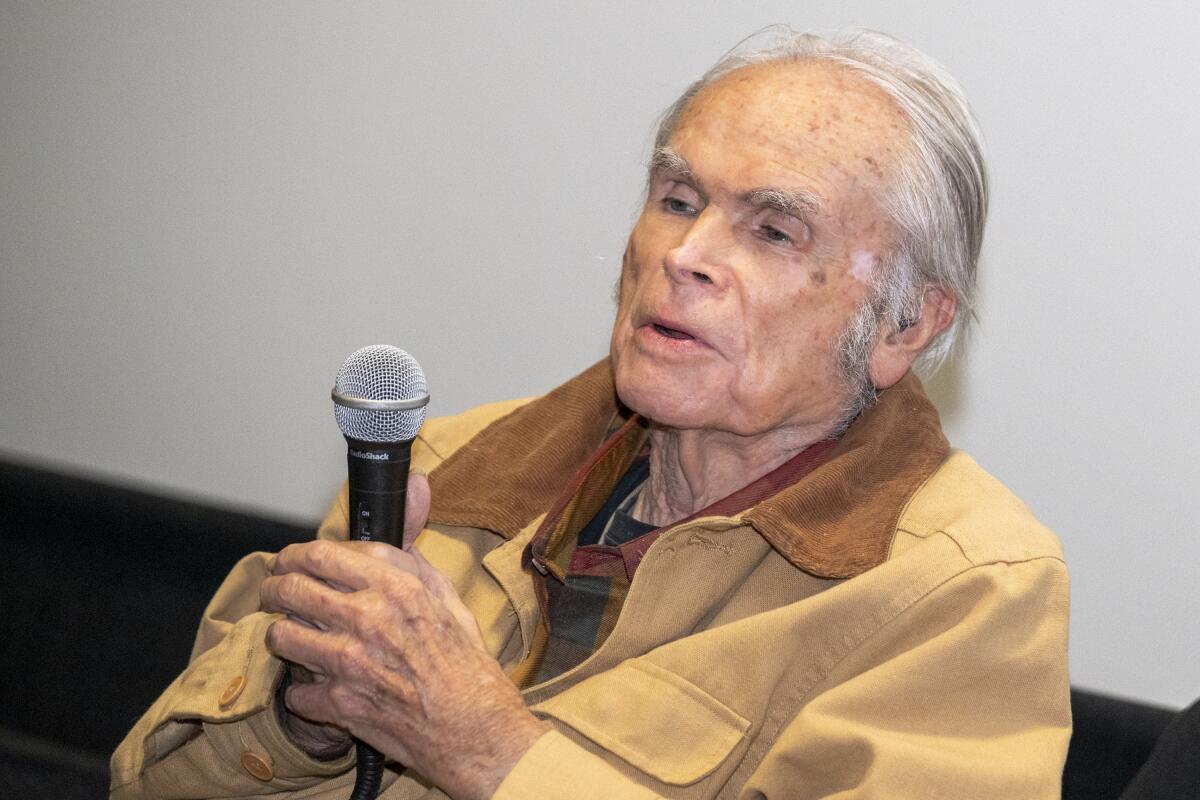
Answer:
(379, 400)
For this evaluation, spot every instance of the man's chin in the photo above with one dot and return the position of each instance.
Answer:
(664, 407)
(668, 394)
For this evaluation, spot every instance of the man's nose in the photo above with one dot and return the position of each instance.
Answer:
(701, 256)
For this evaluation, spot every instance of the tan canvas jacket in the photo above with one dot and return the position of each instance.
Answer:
(892, 626)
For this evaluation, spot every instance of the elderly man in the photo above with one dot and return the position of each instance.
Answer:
(735, 559)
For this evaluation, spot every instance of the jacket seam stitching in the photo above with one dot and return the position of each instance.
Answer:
(912, 498)
(974, 563)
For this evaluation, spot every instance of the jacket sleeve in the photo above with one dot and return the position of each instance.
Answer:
(215, 732)
(964, 693)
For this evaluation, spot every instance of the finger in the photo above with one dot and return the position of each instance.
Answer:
(389, 554)
(310, 701)
(298, 673)
(318, 704)
(416, 507)
(317, 651)
(340, 563)
(308, 600)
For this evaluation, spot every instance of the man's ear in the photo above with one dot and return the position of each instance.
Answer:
(897, 348)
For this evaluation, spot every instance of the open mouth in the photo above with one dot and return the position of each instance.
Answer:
(671, 333)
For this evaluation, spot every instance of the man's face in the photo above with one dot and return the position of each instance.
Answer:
(758, 242)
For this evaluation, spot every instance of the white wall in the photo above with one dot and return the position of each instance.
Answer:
(205, 207)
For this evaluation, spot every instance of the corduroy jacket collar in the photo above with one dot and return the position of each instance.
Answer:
(836, 522)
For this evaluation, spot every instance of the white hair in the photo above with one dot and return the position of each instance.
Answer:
(937, 200)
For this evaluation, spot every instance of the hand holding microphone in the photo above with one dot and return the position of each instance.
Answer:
(379, 400)
(398, 659)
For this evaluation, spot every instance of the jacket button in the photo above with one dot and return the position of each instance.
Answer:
(258, 765)
(233, 690)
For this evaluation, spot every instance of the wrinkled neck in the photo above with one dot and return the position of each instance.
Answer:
(692, 469)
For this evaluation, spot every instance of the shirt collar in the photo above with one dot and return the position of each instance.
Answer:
(835, 522)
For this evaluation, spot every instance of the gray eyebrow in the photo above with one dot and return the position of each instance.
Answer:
(796, 202)
(667, 160)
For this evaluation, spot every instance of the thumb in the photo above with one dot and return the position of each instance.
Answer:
(416, 507)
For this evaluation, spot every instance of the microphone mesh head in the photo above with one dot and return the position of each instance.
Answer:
(380, 372)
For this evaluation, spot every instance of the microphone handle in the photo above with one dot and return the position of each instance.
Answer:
(378, 473)
(378, 483)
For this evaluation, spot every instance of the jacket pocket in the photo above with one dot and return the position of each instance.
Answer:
(652, 718)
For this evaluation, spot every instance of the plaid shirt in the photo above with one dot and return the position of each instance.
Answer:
(581, 584)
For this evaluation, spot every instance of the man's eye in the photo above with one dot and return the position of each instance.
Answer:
(780, 230)
(773, 234)
(674, 205)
